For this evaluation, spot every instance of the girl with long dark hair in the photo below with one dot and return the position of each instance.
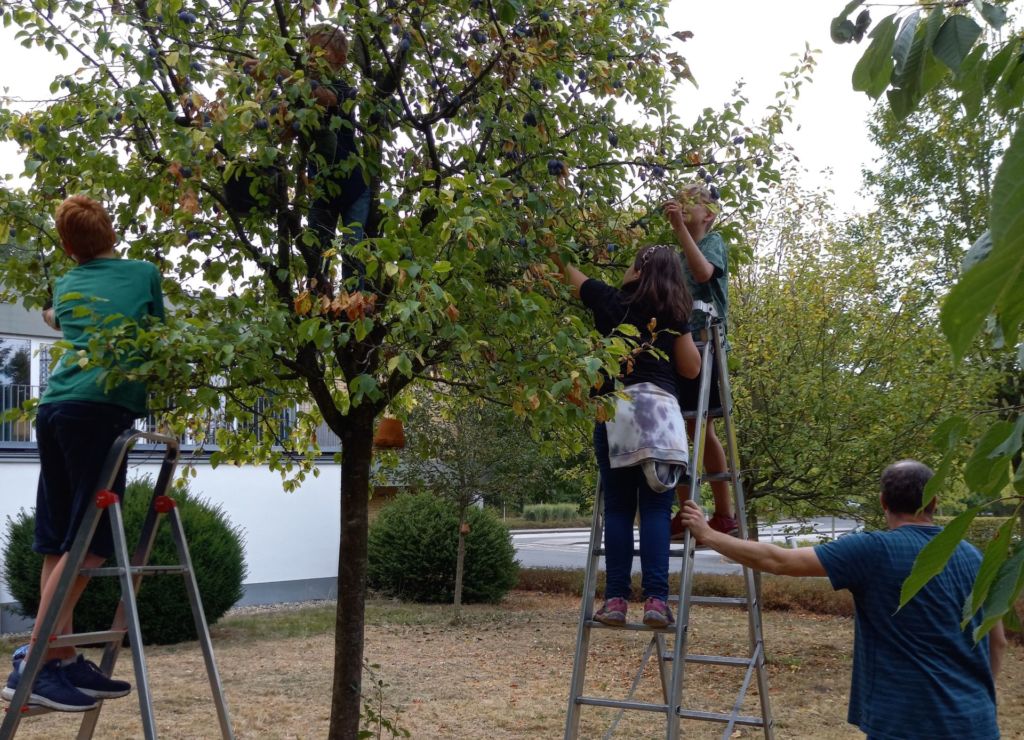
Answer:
(655, 300)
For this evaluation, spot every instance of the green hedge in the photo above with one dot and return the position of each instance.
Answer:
(217, 555)
(551, 512)
(413, 546)
(982, 529)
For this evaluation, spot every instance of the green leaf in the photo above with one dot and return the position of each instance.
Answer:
(1012, 443)
(982, 472)
(995, 556)
(1003, 594)
(949, 432)
(954, 40)
(904, 39)
(994, 282)
(934, 556)
(937, 482)
(842, 30)
(971, 80)
(1008, 235)
(874, 70)
(994, 15)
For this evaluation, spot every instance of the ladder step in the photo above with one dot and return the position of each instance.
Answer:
(145, 570)
(642, 706)
(739, 719)
(631, 626)
(88, 638)
(32, 710)
(713, 600)
(716, 660)
(708, 477)
(668, 656)
(679, 552)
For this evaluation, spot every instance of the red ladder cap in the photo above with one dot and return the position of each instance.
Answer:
(164, 504)
(105, 499)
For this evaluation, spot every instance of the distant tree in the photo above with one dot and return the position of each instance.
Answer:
(945, 47)
(839, 368)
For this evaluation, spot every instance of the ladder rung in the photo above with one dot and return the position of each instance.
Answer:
(635, 627)
(713, 600)
(88, 638)
(718, 660)
(32, 710)
(642, 706)
(676, 553)
(739, 719)
(707, 477)
(145, 570)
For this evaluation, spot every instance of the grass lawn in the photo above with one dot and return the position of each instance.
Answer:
(503, 673)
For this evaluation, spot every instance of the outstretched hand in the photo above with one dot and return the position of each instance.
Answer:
(674, 213)
(694, 520)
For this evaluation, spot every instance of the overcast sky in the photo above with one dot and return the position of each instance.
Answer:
(733, 39)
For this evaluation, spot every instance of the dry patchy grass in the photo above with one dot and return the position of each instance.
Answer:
(503, 673)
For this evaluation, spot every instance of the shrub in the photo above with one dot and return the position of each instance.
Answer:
(982, 529)
(551, 512)
(217, 555)
(413, 546)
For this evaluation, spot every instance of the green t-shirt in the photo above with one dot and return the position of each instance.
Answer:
(109, 288)
(716, 290)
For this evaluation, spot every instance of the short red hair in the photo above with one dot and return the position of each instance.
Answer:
(85, 227)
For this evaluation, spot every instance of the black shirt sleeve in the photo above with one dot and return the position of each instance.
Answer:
(605, 302)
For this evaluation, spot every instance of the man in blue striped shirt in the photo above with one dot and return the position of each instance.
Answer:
(916, 673)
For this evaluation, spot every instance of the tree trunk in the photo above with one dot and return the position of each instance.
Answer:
(460, 561)
(356, 454)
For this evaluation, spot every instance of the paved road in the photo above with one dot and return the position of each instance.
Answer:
(568, 548)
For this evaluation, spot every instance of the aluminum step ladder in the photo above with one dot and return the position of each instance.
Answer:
(130, 572)
(669, 646)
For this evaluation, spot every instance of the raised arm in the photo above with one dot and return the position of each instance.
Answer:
(802, 561)
(570, 274)
(699, 267)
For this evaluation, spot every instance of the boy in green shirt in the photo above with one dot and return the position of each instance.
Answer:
(77, 422)
(706, 267)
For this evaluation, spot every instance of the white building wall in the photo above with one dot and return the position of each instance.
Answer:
(289, 537)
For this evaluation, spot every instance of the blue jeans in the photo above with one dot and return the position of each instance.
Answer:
(74, 438)
(624, 490)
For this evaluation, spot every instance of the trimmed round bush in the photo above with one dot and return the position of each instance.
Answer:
(413, 546)
(217, 552)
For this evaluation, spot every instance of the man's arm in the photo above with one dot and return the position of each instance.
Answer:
(996, 648)
(802, 561)
(51, 319)
(700, 268)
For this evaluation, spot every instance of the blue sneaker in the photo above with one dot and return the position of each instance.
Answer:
(87, 677)
(51, 689)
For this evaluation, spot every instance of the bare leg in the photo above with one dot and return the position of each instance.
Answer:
(714, 462)
(53, 566)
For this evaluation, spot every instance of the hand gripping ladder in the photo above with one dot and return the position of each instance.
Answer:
(671, 661)
(130, 572)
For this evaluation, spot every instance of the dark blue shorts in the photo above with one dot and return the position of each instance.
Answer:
(74, 438)
(689, 389)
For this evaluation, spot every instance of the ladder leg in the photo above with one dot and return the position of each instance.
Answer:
(48, 627)
(754, 622)
(202, 630)
(672, 730)
(131, 617)
(579, 666)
